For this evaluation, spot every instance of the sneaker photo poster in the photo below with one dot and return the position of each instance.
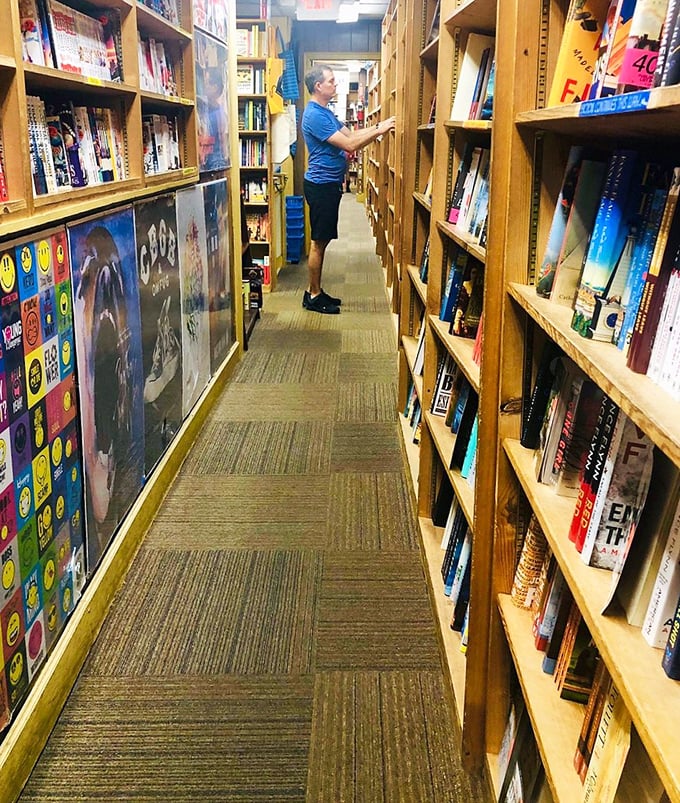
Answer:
(161, 321)
(110, 373)
(193, 263)
(219, 285)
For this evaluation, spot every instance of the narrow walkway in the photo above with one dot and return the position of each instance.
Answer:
(274, 640)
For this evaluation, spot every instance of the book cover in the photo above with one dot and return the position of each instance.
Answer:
(612, 225)
(591, 718)
(552, 648)
(642, 47)
(471, 451)
(527, 573)
(486, 110)
(475, 46)
(459, 260)
(553, 601)
(471, 284)
(464, 430)
(577, 55)
(666, 591)
(558, 227)
(31, 33)
(581, 663)
(461, 175)
(667, 70)
(577, 437)
(444, 387)
(656, 280)
(615, 35)
(671, 654)
(534, 408)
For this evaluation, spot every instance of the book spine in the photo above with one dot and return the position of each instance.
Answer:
(668, 63)
(670, 662)
(666, 590)
(528, 571)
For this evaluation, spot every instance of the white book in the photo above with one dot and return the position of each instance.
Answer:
(448, 527)
(475, 46)
(664, 598)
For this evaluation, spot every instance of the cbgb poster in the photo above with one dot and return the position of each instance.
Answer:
(219, 284)
(193, 264)
(110, 372)
(161, 322)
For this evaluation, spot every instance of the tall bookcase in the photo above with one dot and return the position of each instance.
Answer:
(372, 161)
(254, 139)
(528, 154)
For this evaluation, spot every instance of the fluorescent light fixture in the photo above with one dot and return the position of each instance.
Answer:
(348, 12)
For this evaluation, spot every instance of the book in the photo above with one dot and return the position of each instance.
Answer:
(576, 57)
(548, 266)
(592, 471)
(666, 591)
(571, 392)
(642, 47)
(544, 628)
(471, 287)
(465, 425)
(534, 407)
(621, 495)
(444, 386)
(656, 280)
(611, 228)
(245, 79)
(554, 640)
(527, 573)
(580, 662)
(471, 451)
(612, 48)
(31, 33)
(457, 267)
(591, 718)
(486, 109)
(62, 170)
(461, 175)
(544, 455)
(471, 63)
(667, 71)
(670, 663)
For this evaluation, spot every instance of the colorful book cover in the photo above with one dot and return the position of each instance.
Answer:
(667, 70)
(577, 56)
(558, 227)
(613, 220)
(110, 380)
(612, 48)
(642, 48)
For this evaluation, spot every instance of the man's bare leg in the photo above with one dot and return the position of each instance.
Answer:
(317, 249)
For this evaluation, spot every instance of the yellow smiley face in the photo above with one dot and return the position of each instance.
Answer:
(60, 254)
(4, 532)
(16, 668)
(66, 359)
(41, 469)
(49, 574)
(57, 451)
(8, 574)
(44, 256)
(52, 617)
(39, 435)
(63, 302)
(3, 451)
(32, 595)
(59, 507)
(13, 629)
(24, 502)
(66, 601)
(47, 517)
(7, 273)
(26, 259)
(69, 448)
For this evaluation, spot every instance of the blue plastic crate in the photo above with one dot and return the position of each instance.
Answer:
(294, 202)
(295, 216)
(295, 231)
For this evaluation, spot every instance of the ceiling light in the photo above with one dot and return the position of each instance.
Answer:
(348, 12)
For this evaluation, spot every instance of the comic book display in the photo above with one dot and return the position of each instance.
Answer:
(212, 16)
(42, 561)
(161, 322)
(110, 370)
(193, 263)
(219, 285)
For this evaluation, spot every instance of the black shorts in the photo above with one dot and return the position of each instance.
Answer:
(324, 204)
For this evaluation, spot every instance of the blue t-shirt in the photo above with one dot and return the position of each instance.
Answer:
(326, 163)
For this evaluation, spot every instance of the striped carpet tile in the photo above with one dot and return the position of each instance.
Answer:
(276, 402)
(366, 402)
(373, 341)
(370, 511)
(372, 740)
(295, 367)
(273, 340)
(179, 740)
(227, 612)
(261, 447)
(367, 367)
(360, 447)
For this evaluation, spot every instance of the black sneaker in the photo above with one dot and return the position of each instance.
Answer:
(306, 298)
(321, 303)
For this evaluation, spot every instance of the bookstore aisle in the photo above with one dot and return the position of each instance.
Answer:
(282, 647)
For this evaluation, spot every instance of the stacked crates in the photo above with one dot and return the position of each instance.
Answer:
(295, 227)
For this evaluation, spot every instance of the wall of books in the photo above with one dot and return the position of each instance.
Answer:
(117, 301)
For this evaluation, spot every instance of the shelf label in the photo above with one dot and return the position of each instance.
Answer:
(188, 171)
(186, 101)
(615, 104)
(94, 81)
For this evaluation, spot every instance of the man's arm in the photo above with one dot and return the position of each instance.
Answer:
(356, 140)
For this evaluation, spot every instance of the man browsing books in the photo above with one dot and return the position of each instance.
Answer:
(328, 143)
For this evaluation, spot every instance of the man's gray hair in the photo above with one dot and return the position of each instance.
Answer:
(314, 75)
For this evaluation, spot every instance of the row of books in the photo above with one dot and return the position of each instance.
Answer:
(456, 401)
(251, 42)
(456, 568)
(156, 71)
(258, 225)
(253, 152)
(56, 35)
(469, 206)
(168, 9)
(612, 254)
(252, 115)
(250, 80)
(74, 146)
(612, 47)
(626, 517)
(413, 412)
(473, 98)
(160, 136)
(254, 191)
(463, 296)
(571, 657)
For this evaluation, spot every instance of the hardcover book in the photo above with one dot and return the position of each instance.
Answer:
(642, 48)
(475, 47)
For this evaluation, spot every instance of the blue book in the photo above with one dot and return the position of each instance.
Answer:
(615, 215)
(642, 257)
(461, 401)
(453, 566)
(471, 450)
(454, 281)
(487, 104)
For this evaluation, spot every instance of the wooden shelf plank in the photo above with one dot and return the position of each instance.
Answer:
(651, 698)
(38, 77)
(483, 126)
(460, 348)
(430, 51)
(650, 407)
(420, 286)
(151, 23)
(165, 100)
(423, 200)
(556, 722)
(477, 14)
(463, 239)
(444, 440)
(431, 537)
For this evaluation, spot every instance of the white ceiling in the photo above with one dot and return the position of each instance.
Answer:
(368, 9)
